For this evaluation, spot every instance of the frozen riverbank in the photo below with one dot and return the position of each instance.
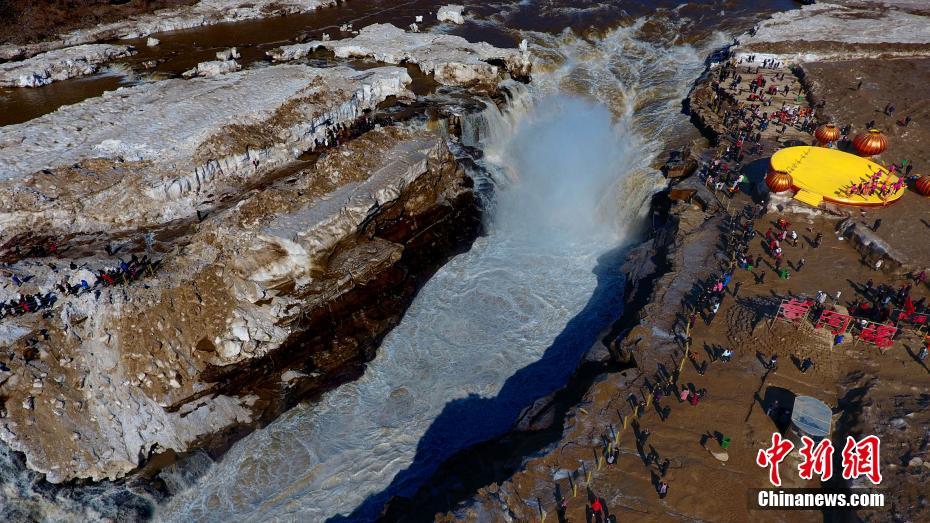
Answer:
(205, 12)
(843, 30)
(451, 60)
(152, 153)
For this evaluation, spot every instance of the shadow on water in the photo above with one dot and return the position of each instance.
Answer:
(449, 456)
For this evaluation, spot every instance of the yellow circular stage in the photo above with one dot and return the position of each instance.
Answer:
(819, 173)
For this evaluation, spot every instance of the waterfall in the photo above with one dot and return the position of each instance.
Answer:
(493, 124)
(498, 326)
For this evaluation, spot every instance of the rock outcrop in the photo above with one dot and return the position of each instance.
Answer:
(205, 12)
(145, 155)
(451, 60)
(60, 64)
(256, 306)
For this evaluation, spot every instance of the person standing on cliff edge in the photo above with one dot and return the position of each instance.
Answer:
(663, 489)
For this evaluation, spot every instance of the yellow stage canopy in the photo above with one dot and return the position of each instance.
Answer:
(819, 173)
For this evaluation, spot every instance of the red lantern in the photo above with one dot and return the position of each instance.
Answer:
(870, 143)
(827, 134)
(923, 185)
(778, 181)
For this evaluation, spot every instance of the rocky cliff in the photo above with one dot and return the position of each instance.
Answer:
(262, 303)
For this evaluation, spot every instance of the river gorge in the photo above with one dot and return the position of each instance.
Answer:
(404, 252)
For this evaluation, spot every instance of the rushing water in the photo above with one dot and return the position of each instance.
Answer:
(497, 326)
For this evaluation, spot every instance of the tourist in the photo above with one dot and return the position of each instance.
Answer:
(878, 264)
(612, 456)
(773, 362)
(663, 489)
(876, 225)
(773, 407)
(800, 264)
(806, 365)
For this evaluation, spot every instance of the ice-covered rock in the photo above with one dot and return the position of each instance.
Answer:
(152, 41)
(451, 13)
(228, 54)
(155, 150)
(832, 31)
(276, 282)
(204, 12)
(451, 59)
(213, 68)
(60, 64)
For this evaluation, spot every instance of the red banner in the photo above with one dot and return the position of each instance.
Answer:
(878, 334)
(917, 320)
(794, 310)
(834, 322)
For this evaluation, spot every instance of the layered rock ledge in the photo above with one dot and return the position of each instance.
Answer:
(60, 64)
(145, 155)
(452, 60)
(265, 302)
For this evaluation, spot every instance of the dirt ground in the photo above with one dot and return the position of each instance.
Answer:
(28, 21)
(847, 377)
(903, 83)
